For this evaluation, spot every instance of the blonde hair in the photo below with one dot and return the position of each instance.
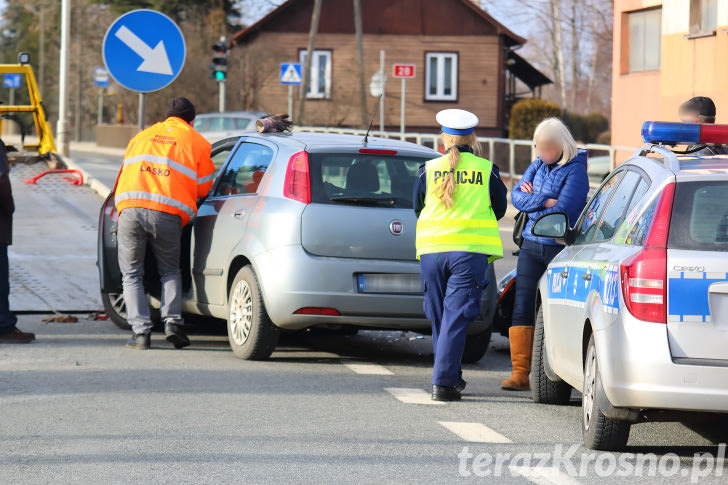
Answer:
(555, 131)
(451, 142)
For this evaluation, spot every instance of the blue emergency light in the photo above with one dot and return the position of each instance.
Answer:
(684, 133)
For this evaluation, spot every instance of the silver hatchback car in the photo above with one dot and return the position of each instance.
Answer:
(634, 311)
(302, 230)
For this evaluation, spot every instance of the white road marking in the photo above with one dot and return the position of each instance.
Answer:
(475, 432)
(412, 396)
(543, 475)
(371, 369)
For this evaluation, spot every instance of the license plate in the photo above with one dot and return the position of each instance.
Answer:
(408, 283)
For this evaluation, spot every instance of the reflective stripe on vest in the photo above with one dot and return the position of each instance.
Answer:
(162, 199)
(470, 224)
(162, 161)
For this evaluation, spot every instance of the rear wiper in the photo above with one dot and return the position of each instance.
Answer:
(386, 201)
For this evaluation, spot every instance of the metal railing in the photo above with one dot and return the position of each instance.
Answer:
(518, 153)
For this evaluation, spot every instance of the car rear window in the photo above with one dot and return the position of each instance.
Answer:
(363, 179)
(700, 216)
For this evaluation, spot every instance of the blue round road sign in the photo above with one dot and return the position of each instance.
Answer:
(144, 50)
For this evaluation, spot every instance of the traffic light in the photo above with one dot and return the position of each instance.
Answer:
(219, 62)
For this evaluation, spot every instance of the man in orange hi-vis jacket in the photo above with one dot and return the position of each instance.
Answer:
(167, 168)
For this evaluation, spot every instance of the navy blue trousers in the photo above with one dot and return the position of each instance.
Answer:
(454, 283)
(532, 262)
(7, 318)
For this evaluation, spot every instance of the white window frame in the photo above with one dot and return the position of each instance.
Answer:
(643, 64)
(313, 86)
(440, 76)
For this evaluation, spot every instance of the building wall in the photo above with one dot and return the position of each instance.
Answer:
(688, 67)
(479, 88)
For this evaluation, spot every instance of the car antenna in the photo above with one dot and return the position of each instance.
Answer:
(371, 122)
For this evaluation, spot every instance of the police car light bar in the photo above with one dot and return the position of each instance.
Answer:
(684, 133)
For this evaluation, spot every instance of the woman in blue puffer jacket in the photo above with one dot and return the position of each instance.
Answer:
(555, 182)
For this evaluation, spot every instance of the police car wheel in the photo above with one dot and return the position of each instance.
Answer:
(251, 333)
(115, 308)
(476, 345)
(599, 432)
(543, 389)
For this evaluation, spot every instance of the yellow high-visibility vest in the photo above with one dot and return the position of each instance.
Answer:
(470, 224)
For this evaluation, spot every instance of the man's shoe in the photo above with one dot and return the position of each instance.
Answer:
(141, 341)
(445, 393)
(460, 386)
(175, 335)
(15, 336)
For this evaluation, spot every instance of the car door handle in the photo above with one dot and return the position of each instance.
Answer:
(564, 274)
(586, 276)
(240, 213)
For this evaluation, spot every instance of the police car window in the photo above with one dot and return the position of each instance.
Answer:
(638, 234)
(358, 179)
(615, 212)
(244, 172)
(587, 225)
(700, 217)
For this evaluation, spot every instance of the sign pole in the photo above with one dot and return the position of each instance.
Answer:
(290, 101)
(402, 108)
(381, 98)
(62, 124)
(100, 113)
(11, 97)
(142, 109)
(221, 103)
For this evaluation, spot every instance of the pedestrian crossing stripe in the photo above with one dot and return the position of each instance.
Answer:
(475, 432)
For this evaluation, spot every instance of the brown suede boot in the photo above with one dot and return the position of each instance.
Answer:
(521, 338)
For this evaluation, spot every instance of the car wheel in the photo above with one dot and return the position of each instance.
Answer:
(599, 431)
(252, 334)
(476, 345)
(115, 308)
(543, 389)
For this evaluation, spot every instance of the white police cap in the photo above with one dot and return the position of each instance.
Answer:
(457, 121)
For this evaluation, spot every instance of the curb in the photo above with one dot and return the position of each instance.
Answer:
(95, 184)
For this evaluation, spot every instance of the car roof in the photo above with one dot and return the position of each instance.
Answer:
(316, 141)
(233, 114)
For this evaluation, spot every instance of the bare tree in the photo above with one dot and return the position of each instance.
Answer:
(315, 17)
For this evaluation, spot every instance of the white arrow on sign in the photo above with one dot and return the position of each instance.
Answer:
(155, 60)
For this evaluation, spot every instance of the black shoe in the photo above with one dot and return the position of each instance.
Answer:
(445, 393)
(460, 386)
(174, 334)
(141, 341)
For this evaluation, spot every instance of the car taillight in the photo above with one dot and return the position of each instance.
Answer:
(644, 275)
(297, 185)
(377, 151)
(309, 310)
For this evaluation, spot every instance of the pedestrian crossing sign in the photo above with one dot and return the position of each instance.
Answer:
(291, 73)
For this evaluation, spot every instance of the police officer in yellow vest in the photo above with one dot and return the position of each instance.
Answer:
(458, 199)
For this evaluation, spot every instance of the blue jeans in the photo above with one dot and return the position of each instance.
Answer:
(532, 262)
(454, 283)
(7, 318)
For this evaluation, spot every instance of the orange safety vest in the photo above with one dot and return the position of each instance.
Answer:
(167, 167)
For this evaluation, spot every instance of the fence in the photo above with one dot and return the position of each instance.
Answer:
(518, 153)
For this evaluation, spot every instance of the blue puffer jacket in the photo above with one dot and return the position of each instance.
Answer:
(567, 183)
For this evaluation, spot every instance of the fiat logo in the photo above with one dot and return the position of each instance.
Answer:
(396, 228)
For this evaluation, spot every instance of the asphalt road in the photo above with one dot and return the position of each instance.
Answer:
(80, 408)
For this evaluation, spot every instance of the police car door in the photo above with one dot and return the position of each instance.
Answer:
(224, 215)
(571, 280)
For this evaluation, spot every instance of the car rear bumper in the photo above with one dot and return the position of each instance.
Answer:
(291, 279)
(638, 371)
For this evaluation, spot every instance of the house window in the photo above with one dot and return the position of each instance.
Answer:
(644, 40)
(703, 16)
(441, 76)
(319, 82)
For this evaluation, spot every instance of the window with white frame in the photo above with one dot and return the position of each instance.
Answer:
(441, 76)
(319, 81)
(645, 37)
(703, 16)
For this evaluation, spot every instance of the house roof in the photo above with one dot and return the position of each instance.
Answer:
(277, 20)
(524, 71)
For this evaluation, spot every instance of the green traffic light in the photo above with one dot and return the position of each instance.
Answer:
(219, 75)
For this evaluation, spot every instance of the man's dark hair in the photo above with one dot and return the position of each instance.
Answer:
(181, 108)
(702, 105)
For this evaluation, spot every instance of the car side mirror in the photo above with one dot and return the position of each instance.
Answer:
(554, 225)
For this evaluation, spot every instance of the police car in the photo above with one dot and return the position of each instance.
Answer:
(634, 311)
